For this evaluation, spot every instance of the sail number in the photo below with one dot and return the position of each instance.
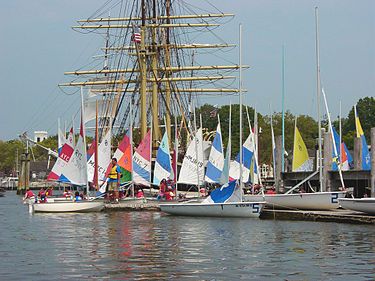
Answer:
(334, 198)
(255, 207)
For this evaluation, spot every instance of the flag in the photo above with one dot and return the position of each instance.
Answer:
(136, 37)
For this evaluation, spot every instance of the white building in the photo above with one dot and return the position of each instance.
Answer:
(40, 136)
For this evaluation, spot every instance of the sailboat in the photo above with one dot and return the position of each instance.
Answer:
(226, 201)
(73, 171)
(321, 200)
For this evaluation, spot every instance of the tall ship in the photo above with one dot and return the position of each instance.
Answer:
(154, 64)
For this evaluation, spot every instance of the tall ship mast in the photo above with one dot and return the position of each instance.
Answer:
(149, 51)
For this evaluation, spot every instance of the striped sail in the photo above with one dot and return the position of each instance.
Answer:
(247, 154)
(215, 162)
(123, 154)
(192, 169)
(366, 158)
(163, 166)
(142, 162)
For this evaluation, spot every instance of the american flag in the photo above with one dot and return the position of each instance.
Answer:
(136, 37)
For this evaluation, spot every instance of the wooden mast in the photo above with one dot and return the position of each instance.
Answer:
(154, 69)
(143, 76)
(168, 73)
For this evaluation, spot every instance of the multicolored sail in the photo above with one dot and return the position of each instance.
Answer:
(75, 171)
(247, 154)
(64, 156)
(230, 192)
(343, 157)
(163, 166)
(215, 162)
(123, 154)
(142, 162)
(192, 169)
(301, 161)
(366, 158)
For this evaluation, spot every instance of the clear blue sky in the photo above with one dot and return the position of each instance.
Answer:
(38, 45)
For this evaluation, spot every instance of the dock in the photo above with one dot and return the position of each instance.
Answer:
(339, 216)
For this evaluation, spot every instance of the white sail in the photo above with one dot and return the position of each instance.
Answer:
(104, 159)
(192, 165)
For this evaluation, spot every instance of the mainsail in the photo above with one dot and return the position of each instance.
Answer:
(192, 169)
(163, 166)
(142, 162)
(248, 153)
(301, 161)
(64, 156)
(216, 159)
(75, 171)
(104, 159)
(366, 158)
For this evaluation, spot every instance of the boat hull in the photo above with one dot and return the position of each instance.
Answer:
(240, 209)
(66, 207)
(301, 201)
(365, 205)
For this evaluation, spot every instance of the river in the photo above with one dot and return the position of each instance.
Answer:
(154, 246)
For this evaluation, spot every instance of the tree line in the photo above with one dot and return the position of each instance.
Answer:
(307, 126)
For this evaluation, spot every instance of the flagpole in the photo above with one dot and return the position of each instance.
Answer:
(131, 145)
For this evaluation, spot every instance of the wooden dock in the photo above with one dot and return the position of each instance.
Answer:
(339, 216)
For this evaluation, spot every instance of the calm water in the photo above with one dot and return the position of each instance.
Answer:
(153, 246)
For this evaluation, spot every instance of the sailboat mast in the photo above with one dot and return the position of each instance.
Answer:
(240, 95)
(283, 112)
(318, 89)
(96, 180)
(168, 64)
(84, 141)
(143, 73)
(195, 139)
(340, 134)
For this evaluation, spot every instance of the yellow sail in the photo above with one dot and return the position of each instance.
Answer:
(300, 155)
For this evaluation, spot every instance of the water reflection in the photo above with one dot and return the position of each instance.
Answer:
(153, 246)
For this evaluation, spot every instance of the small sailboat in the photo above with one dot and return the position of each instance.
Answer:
(68, 207)
(222, 202)
(364, 205)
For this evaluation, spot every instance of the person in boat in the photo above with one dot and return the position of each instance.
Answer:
(162, 189)
(169, 194)
(42, 195)
(271, 191)
(49, 191)
(202, 192)
(29, 195)
(77, 197)
(140, 193)
(67, 193)
(113, 181)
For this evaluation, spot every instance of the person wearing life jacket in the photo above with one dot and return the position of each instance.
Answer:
(77, 197)
(113, 182)
(162, 189)
(42, 195)
(29, 195)
(49, 191)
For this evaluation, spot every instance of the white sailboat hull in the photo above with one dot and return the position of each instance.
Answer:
(69, 206)
(301, 201)
(239, 209)
(365, 205)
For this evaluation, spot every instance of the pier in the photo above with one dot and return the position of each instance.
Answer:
(339, 216)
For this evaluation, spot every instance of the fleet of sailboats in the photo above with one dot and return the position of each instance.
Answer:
(154, 83)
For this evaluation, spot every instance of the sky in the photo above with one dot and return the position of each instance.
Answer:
(38, 46)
